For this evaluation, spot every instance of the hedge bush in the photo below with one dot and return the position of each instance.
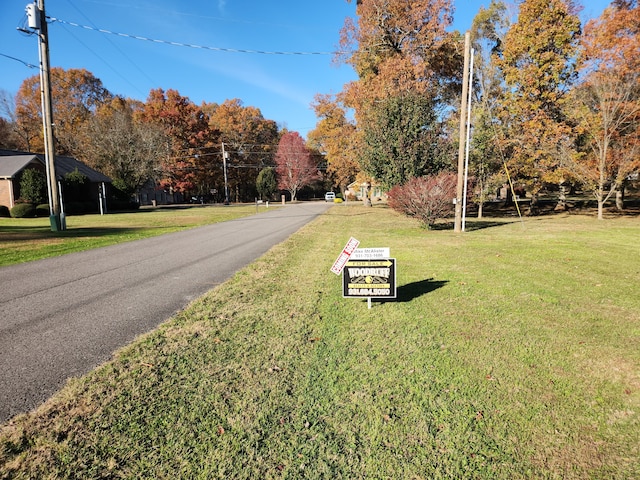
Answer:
(4, 211)
(425, 198)
(42, 210)
(23, 210)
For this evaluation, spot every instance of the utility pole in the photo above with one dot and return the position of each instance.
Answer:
(225, 155)
(457, 226)
(38, 21)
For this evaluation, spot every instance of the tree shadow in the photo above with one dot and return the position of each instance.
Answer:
(471, 225)
(408, 292)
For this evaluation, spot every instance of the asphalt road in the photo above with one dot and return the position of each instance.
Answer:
(61, 317)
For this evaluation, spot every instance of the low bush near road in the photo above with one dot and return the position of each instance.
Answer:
(23, 210)
(427, 199)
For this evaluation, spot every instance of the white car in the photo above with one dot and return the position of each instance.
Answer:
(329, 197)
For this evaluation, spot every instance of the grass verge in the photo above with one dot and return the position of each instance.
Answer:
(511, 352)
(26, 239)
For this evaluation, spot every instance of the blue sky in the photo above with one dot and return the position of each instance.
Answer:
(281, 86)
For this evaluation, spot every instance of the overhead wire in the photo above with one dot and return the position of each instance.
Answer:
(120, 51)
(188, 45)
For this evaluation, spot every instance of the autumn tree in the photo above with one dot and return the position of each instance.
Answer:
(126, 149)
(488, 29)
(402, 52)
(75, 94)
(336, 137)
(9, 133)
(538, 63)
(187, 168)
(249, 140)
(294, 164)
(607, 104)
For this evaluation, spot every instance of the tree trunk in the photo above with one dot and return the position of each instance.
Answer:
(366, 201)
(533, 205)
(600, 208)
(620, 198)
(562, 199)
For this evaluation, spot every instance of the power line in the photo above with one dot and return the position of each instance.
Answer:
(188, 45)
(26, 64)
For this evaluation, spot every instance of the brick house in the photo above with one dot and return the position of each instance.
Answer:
(13, 163)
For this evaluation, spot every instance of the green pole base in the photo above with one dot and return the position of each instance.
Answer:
(55, 223)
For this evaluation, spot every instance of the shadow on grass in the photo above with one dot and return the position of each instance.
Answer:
(20, 234)
(408, 292)
(472, 225)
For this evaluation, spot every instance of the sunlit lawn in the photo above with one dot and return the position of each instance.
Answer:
(511, 352)
(25, 239)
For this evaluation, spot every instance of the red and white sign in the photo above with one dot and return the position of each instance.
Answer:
(343, 258)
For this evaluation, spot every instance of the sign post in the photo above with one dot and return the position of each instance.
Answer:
(366, 272)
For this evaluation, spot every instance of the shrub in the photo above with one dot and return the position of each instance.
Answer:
(33, 186)
(425, 198)
(42, 210)
(23, 210)
(4, 211)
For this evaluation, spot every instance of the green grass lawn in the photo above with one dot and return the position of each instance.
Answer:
(512, 352)
(25, 239)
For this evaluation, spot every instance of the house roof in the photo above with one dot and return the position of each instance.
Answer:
(11, 165)
(13, 162)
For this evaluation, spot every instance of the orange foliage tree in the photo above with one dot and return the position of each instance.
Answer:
(186, 168)
(400, 50)
(607, 104)
(75, 94)
(538, 63)
(249, 139)
(336, 137)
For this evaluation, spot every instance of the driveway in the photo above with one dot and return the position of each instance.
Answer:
(61, 317)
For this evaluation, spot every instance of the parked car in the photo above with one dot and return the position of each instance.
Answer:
(329, 197)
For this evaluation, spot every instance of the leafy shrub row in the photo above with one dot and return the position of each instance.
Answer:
(426, 198)
(23, 210)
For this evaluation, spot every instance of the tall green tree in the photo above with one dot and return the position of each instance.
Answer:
(403, 140)
(538, 60)
(267, 183)
(402, 52)
(33, 186)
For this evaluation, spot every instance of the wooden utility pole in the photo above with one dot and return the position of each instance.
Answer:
(457, 226)
(47, 119)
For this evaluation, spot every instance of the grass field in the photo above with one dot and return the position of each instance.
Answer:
(511, 352)
(25, 239)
